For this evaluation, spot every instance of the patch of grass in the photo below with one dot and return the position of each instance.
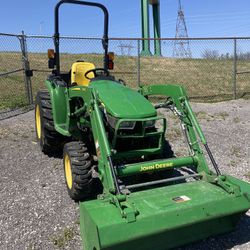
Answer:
(221, 115)
(236, 119)
(30, 247)
(233, 163)
(62, 240)
(202, 115)
(236, 151)
(4, 132)
(77, 222)
(15, 133)
(33, 246)
(16, 78)
(25, 136)
(57, 165)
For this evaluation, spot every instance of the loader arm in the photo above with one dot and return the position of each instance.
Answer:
(105, 164)
(178, 102)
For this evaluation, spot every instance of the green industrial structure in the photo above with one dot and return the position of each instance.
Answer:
(146, 27)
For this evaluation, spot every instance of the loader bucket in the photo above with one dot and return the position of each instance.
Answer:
(168, 216)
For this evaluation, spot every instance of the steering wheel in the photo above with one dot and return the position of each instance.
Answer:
(97, 72)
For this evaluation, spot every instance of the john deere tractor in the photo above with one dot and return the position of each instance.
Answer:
(130, 186)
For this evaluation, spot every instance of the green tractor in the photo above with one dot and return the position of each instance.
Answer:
(120, 167)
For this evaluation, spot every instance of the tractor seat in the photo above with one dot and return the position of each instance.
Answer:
(78, 71)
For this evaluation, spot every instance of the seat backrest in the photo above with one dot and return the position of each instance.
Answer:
(78, 71)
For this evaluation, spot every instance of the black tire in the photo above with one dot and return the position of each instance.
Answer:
(78, 166)
(49, 139)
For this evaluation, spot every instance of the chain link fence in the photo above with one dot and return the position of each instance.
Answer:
(219, 68)
(15, 85)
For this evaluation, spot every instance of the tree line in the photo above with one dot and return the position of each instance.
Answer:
(214, 54)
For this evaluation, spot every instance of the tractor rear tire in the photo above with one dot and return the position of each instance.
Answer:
(51, 142)
(78, 166)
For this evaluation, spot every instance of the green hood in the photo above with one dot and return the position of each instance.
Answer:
(123, 102)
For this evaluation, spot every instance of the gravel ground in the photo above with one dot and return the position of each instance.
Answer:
(36, 212)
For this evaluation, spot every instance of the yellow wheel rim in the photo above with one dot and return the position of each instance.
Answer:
(38, 122)
(68, 172)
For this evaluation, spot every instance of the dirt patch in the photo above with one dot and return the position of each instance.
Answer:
(36, 212)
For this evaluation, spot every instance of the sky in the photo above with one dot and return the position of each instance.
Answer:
(211, 18)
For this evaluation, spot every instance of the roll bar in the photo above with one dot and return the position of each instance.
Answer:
(57, 34)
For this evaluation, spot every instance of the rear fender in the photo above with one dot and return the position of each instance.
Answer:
(60, 107)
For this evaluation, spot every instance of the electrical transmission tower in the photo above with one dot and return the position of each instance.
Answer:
(181, 47)
(126, 47)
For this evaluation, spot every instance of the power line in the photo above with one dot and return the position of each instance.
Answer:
(212, 17)
(205, 20)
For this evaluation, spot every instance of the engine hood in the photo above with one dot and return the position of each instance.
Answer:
(121, 101)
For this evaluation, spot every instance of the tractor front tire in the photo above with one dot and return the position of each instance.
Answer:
(50, 140)
(78, 165)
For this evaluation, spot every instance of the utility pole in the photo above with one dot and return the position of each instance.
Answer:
(181, 47)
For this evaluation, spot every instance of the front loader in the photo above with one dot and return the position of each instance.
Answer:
(134, 193)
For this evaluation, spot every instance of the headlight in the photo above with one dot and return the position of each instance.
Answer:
(149, 124)
(127, 125)
(112, 121)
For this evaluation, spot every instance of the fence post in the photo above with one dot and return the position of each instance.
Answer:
(138, 63)
(235, 70)
(26, 67)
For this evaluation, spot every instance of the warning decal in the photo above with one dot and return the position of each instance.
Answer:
(182, 198)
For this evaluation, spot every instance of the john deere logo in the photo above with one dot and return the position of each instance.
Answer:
(156, 166)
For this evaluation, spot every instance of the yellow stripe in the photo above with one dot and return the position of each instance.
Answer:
(38, 122)
(68, 172)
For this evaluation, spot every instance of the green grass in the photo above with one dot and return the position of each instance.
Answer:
(236, 119)
(61, 240)
(236, 151)
(233, 163)
(222, 115)
(202, 115)
(205, 80)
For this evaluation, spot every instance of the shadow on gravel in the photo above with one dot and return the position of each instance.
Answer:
(58, 155)
(239, 236)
